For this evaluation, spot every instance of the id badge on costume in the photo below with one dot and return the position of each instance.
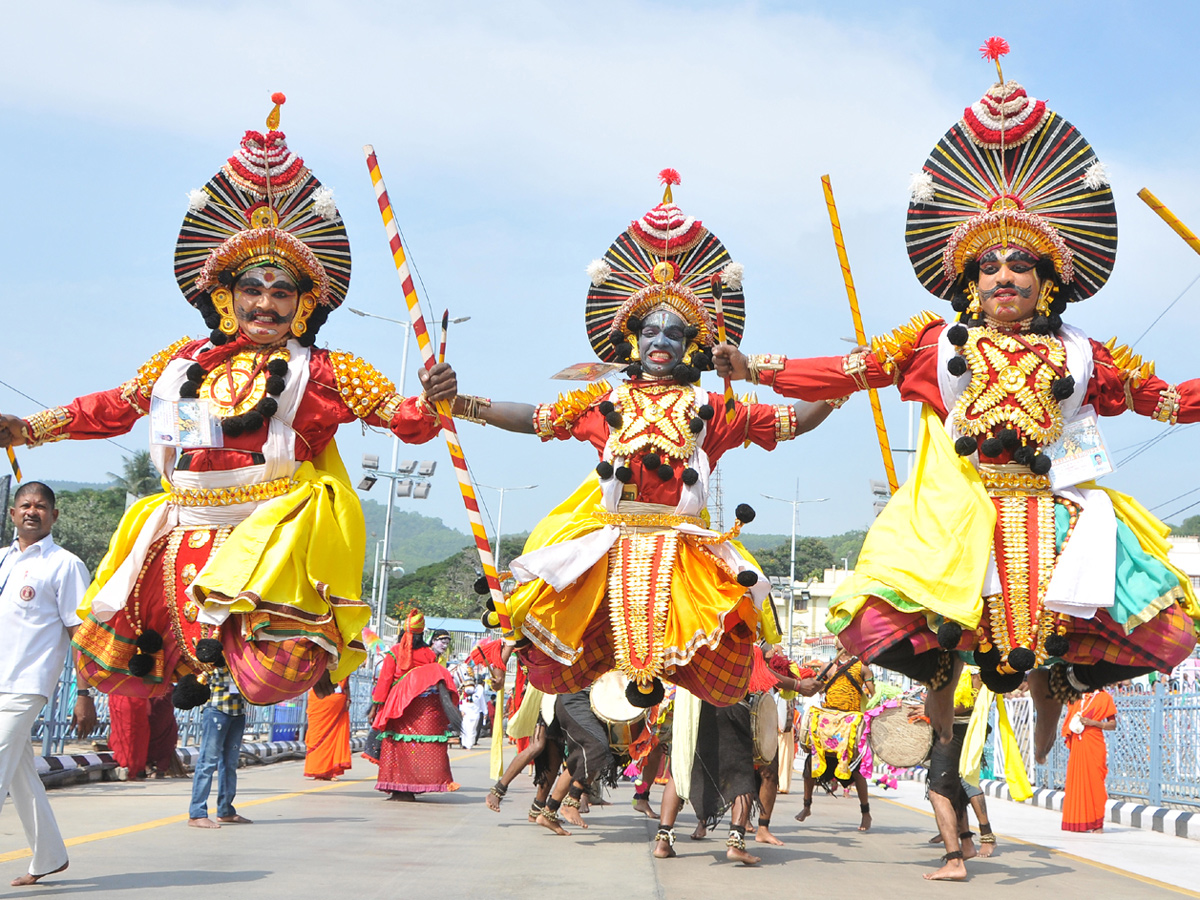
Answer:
(1080, 454)
(184, 423)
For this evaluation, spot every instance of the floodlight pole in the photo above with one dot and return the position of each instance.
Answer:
(791, 616)
(500, 514)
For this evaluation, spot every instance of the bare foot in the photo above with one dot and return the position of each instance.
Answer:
(553, 826)
(986, 849)
(572, 815)
(642, 805)
(764, 836)
(700, 833)
(865, 824)
(664, 850)
(402, 796)
(234, 820)
(968, 848)
(936, 839)
(953, 870)
(533, 817)
(733, 854)
(22, 880)
(804, 814)
(205, 822)
(584, 805)
(492, 801)
(594, 801)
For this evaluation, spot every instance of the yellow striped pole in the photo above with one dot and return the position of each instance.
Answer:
(859, 335)
(1170, 218)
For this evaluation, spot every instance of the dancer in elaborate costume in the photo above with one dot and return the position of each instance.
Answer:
(988, 547)
(625, 573)
(256, 548)
(415, 709)
(832, 732)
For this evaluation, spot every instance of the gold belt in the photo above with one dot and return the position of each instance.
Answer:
(646, 520)
(1013, 478)
(228, 496)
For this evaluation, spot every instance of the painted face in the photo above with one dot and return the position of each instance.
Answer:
(1008, 283)
(440, 644)
(32, 517)
(661, 343)
(264, 301)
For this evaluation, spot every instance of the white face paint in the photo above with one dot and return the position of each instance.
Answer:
(661, 342)
(440, 644)
(265, 301)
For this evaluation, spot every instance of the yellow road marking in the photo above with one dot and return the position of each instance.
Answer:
(1071, 856)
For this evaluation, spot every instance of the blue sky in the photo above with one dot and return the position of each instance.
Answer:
(518, 140)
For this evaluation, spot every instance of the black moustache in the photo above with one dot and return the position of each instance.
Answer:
(1022, 292)
(273, 317)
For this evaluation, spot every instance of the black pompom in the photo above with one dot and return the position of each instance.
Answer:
(1010, 439)
(217, 337)
(988, 660)
(1055, 322)
(1024, 455)
(233, 426)
(624, 474)
(605, 407)
(614, 419)
(490, 606)
(141, 665)
(1021, 659)
(745, 513)
(1063, 387)
(624, 350)
(1058, 306)
(991, 447)
(267, 407)
(212, 319)
(1057, 645)
(308, 338)
(975, 321)
(645, 701)
(665, 472)
(305, 284)
(190, 693)
(691, 332)
(633, 324)
(696, 425)
(651, 461)
(275, 385)
(960, 303)
(1040, 464)
(1000, 684)
(634, 370)
(252, 421)
(705, 412)
(748, 579)
(956, 366)
(965, 445)
(1040, 325)
(685, 374)
(690, 476)
(189, 390)
(149, 641)
(703, 361)
(604, 469)
(277, 367)
(196, 373)
(949, 634)
(957, 335)
(481, 585)
(490, 619)
(208, 650)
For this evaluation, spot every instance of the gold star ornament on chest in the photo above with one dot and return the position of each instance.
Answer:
(235, 386)
(1012, 385)
(654, 416)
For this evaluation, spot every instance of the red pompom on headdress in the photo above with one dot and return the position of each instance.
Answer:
(668, 177)
(994, 48)
(281, 98)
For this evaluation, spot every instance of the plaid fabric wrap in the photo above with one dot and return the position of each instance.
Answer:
(224, 699)
(269, 672)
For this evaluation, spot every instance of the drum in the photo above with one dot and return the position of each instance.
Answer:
(622, 719)
(899, 742)
(764, 725)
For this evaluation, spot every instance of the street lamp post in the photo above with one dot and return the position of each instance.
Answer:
(792, 567)
(500, 514)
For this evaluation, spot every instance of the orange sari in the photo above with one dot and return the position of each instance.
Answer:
(1087, 768)
(327, 740)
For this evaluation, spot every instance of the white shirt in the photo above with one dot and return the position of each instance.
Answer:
(40, 590)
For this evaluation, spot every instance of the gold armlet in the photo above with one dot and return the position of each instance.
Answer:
(47, 426)
(472, 406)
(838, 402)
(855, 365)
(785, 423)
(543, 420)
(1168, 405)
(763, 362)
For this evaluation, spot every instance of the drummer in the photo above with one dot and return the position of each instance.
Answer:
(848, 685)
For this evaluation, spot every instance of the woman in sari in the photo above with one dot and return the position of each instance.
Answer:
(1087, 768)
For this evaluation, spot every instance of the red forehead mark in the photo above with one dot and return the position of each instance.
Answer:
(268, 277)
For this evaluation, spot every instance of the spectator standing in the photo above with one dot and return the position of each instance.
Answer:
(1087, 767)
(221, 728)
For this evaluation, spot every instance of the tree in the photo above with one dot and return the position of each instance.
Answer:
(445, 588)
(86, 521)
(139, 477)
(813, 557)
(1190, 527)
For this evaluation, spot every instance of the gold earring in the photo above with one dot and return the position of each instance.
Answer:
(222, 299)
(976, 305)
(1043, 303)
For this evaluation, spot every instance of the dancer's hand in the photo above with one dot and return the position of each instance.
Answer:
(83, 719)
(12, 431)
(730, 362)
(440, 382)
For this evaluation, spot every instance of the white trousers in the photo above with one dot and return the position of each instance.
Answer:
(19, 780)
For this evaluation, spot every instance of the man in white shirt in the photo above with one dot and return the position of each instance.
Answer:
(41, 585)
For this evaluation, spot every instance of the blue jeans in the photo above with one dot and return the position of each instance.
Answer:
(220, 743)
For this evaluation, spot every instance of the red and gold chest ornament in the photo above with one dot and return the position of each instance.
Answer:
(242, 389)
(655, 418)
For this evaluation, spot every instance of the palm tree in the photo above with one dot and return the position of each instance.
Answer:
(140, 478)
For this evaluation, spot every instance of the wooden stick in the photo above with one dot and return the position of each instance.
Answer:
(1170, 218)
(443, 408)
(12, 461)
(859, 335)
(717, 290)
(445, 325)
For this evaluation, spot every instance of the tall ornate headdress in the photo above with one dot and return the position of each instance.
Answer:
(1011, 172)
(664, 259)
(263, 208)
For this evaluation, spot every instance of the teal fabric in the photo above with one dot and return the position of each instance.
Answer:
(1140, 578)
